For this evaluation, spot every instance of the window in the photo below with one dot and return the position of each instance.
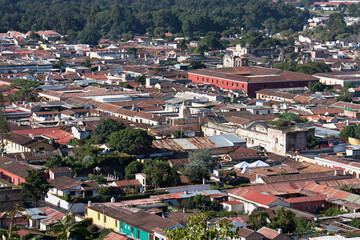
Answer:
(98, 216)
(104, 218)
(276, 140)
(307, 208)
(315, 207)
(116, 223)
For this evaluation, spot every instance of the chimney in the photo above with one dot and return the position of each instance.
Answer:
(279, 231)
(204, 181)
(112, 200)
(185, 192)
(184, 210)
(335, 173)
(89, 203)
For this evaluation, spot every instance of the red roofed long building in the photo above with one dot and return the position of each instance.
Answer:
(250, 79)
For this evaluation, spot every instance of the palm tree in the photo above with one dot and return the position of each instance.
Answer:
(66, 227)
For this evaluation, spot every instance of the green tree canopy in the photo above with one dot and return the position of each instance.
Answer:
(133, 168)
(104, 129)
(285, 220)
(201, 202)
(351, 131)
(35, 186)
(308, 68)
(197, 228)
(201, 158)
(160, 174)
(258, 220)
(27, 90)
(131, 141)
(292, 117)
(197, 174)
(316, 86)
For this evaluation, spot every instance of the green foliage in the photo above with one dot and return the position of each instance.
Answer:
(308, 68)
(351, 131)
(285, 220)
(160, 174)
(87, 63)
(87, 23)
(73, 142)
(196, 64)
(201, 158)
(292, 117)
(99, 179)
(132, 51)
(60, 63)
(179, 134)
(34, 187)
(131, 141)
(66, 228)
(304, 226)
(281, 123)
(346, 97)
(311, 141)
(332, 212)
(197, 174)
(104, 191)
(27, 90)
(349, 189)
(258, 220)
(197, 228)
(103, 130)
(201, 202)
(348, 85)
(316, 86)
(355, 223)
(133, 168)
(256, 40)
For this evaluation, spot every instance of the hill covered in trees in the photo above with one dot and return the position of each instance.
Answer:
(115, 19)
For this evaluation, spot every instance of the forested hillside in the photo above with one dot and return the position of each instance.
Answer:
(120, 18)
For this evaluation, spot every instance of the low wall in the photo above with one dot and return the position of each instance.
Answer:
(76, 208)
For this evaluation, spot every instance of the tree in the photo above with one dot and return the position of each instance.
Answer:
(197, 174)
(54, 161)
(99, 179)
(311, 141)
(201, 158)
(66, 228)
(196, 64)
(349, 189)
(292, 117)
(258, 220)
(348, 85)
(179, 134)
(89, 35)
(60, 63)
(332, 212)
(197, 228)
(27, 90)
(133, 168)
(160, 174)
(316, 86)
(304, 226)
(201, 202)
(285, 220)
(140, 79)
(351, 131)
(355, 223)
(87, 63)
(11, 216)
(130, 141)
(131, 51)
(105, 127)
(35, 186)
